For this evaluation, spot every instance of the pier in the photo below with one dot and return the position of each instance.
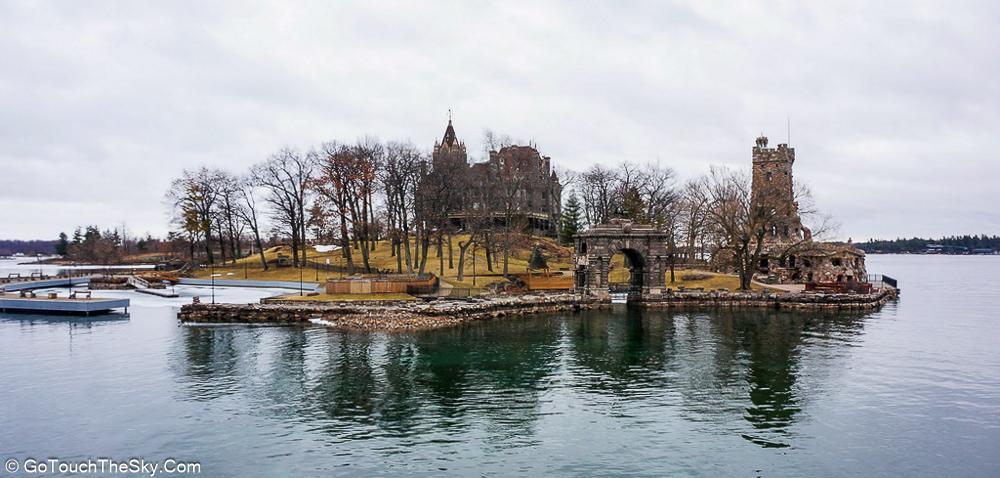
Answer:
(60, 305)
(24, 300)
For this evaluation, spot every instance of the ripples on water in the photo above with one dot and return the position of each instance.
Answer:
(910, 390)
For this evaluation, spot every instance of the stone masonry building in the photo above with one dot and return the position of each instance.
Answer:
(789, 253)
(537, 194)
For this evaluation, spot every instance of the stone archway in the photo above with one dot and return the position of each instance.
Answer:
(642, 244)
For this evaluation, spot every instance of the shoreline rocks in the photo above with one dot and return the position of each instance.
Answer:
(400, 316)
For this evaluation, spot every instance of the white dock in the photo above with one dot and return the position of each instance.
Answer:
(13, 303)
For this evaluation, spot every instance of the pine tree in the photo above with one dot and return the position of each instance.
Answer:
(570, 220)
(537, 260)
(62, 247)
(632, 206)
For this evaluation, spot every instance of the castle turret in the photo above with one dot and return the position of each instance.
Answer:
(773, 190)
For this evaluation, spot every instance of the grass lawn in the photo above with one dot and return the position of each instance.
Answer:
(714, 281)
(381, 258)
(346, 297)
(620, 274)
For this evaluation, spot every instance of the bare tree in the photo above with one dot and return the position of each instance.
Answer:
(248, 212)
(478, 218)
(228, 214)
(347, 178)
(442, 192)
(694, 211)
(509, 181)
(739, 223)
(399, 176)
(194, 197)
(598, 186)
(334, 182)
(286, 176)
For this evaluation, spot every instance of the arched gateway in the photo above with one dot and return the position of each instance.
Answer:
(644, 246)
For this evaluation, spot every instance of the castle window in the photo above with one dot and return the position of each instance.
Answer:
(769, 175)
(836, 262)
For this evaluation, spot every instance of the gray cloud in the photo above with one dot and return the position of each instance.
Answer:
(894, 106)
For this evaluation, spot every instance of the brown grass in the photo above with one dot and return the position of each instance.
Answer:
(381, 258)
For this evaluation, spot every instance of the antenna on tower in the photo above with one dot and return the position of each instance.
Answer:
(449, 115)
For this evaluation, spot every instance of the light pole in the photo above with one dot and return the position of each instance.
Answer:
(300, 281)
(213, 283)
(213, 286)
(474, 246)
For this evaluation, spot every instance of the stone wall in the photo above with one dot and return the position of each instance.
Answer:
(436, 314)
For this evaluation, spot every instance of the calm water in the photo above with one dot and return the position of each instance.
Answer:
(912, 390)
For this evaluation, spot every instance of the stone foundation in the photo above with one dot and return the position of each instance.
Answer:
(416, 316)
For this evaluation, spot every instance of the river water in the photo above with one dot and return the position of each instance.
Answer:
(911, 390)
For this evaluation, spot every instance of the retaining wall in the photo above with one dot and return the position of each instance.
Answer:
(410, 315)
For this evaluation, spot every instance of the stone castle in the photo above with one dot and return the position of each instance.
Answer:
(789, 254)
(538, 190)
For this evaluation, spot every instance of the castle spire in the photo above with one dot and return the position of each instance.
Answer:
(449, 133)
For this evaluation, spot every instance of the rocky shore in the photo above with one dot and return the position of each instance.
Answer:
(397, 316)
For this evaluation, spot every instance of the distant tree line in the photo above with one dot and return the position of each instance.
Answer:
(916, 244)
(29, 248)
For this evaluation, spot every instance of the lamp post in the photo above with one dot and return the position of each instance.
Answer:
(213, 286)
(474, 246)
(300, 282)
(213, 283)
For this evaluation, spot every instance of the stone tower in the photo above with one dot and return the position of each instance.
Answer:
(772, 189)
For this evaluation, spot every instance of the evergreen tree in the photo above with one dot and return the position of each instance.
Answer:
(537, 260)
(632, 206)
(570, 220)
(62, 247)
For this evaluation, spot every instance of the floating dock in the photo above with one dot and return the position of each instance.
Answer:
(12, 303)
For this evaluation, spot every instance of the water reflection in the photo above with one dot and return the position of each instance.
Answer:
(72, 320)
(736, 372)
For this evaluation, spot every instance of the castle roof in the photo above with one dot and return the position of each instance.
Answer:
(449, 135)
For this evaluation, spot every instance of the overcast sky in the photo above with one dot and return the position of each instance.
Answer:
(894, 107)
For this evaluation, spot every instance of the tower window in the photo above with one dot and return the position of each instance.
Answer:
(769, 175)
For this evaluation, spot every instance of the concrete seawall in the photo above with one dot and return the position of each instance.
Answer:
(414, 316)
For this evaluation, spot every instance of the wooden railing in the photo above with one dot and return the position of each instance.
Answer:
(138, 282)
